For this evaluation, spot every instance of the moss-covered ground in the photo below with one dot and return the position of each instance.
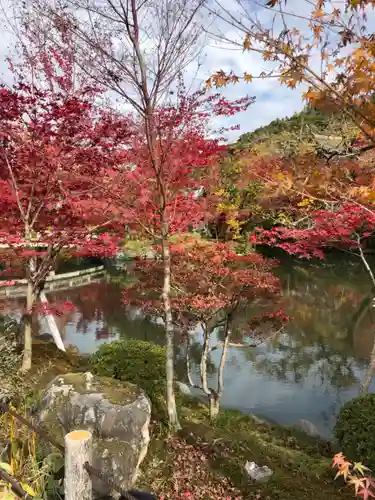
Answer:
(208, 460)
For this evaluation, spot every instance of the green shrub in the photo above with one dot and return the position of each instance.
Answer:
(355, 430)
(136, 361)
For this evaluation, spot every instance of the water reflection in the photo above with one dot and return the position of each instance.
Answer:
(307, 372)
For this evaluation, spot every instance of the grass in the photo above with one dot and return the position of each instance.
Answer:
(137, 247)
(301, 464)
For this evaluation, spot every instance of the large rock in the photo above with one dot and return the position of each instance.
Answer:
(307, 427)
(118, 415)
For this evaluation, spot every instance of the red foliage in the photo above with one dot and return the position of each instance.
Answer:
(52, 144)
(207, 278)
(54, 141)
(344, 227)
(354, 474)
(178, 177)
(57, 309)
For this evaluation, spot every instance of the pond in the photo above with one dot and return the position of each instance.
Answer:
(308, 372)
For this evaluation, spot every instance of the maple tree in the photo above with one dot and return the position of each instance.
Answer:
(53, 142)
(210, 283)
(169, 191)
(338, 38)
(109, 33)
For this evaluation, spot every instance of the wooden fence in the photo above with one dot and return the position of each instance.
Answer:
(56, 282)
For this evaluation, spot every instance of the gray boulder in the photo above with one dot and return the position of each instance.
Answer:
(307, 427)
(117, 414)
(257, 473)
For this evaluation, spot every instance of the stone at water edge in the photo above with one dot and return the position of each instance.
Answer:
(116, 413)
(307, 427)
(258, 473)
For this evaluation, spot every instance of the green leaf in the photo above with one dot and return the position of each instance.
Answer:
(28, 489)
(54, 461)
(358, 466)
(6, 467)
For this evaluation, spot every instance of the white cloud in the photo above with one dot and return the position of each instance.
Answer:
(272, 99)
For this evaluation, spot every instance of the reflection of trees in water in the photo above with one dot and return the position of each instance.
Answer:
(195, 353)
(325, 301)
(295, 363)
(100, 305)
(330, 307)
(330, 336)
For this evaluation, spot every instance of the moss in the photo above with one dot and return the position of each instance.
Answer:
(49, 362)
(301, 464)
(114, 447)
(355, 430)
(116, 392)
(139, 362)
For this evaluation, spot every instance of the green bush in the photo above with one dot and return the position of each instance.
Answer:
(355, 430)
(136, 361)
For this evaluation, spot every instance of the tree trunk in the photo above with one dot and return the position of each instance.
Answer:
(203, 363)
(214, 405)
(27, 342)
(220, 381)
(52, 325)
(370, 373)
(169, 334)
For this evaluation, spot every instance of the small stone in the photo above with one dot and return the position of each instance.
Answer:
(258, 473)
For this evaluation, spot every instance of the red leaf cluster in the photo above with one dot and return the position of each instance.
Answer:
(206, 278)
(343, 227)
(178, 178)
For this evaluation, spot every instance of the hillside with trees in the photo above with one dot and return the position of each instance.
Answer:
(308, 118)
(309, 129)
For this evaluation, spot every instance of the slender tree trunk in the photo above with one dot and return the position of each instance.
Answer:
(365, 262)
(370, 373)
(52, 325)
(27, 342)
(215, 397)
(203, 363)
(214, 405)
(223, 358)
(169, 334)
(188, 366)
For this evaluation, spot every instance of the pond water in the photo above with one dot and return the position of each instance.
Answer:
(308, 372)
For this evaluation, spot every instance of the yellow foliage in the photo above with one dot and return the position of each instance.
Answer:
(305, 202)
(247, 78)
(284, 219)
